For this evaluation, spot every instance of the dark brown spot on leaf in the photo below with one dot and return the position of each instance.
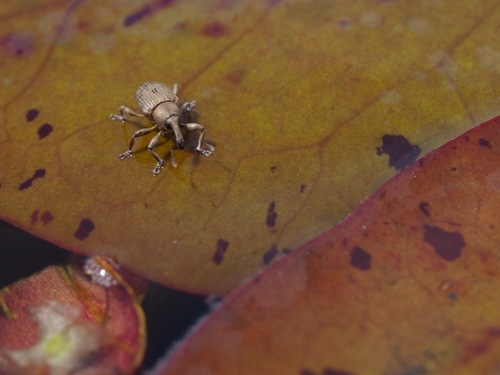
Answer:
(484, 143)
(34, 217)
(270, 254)
(286, 251)
(494, 331)
(39, 173)
(44, 130)
(360, 258)
(220, 251)
(401, 152)
(47, 217)
(26, 184)
(136, 16)
(302, 188)
(18, 44)
(32, 114)
(146, 11)
(273, 168)
(448, 245)
(424, 207)
(271, 215)
(329, 371)
(84, 229)
(214, 30)
(326, 371)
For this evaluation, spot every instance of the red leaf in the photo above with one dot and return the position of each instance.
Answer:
(59, 322)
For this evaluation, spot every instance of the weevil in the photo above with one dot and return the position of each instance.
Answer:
(158, 104)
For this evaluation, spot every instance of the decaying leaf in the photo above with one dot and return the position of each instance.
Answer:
(407, 284)
(311, 106)
(58, 322)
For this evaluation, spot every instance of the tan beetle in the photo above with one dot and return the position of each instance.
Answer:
(159, 104)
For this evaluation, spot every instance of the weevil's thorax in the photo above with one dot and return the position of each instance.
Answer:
(166, 111)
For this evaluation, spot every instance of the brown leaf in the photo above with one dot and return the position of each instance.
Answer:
(311, 106)
(406, 285)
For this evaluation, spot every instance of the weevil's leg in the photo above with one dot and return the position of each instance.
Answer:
(125, 112)
(203, 147)
(154, 142)
(188, 106)
(137, 134)
(172, 159)
(175, 89)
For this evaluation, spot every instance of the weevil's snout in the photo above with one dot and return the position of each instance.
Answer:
(179, 139)
(180, 143)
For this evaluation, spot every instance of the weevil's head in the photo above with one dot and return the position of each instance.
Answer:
(173, 123)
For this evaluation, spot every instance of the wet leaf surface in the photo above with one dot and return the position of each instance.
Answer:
(406, 285)
(58, 322)
(311, 106)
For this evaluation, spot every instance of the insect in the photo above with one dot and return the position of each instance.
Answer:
(158, 104)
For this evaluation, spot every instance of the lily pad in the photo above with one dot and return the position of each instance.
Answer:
(59, 322)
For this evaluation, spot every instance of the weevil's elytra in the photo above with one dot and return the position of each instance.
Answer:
(159, 105)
